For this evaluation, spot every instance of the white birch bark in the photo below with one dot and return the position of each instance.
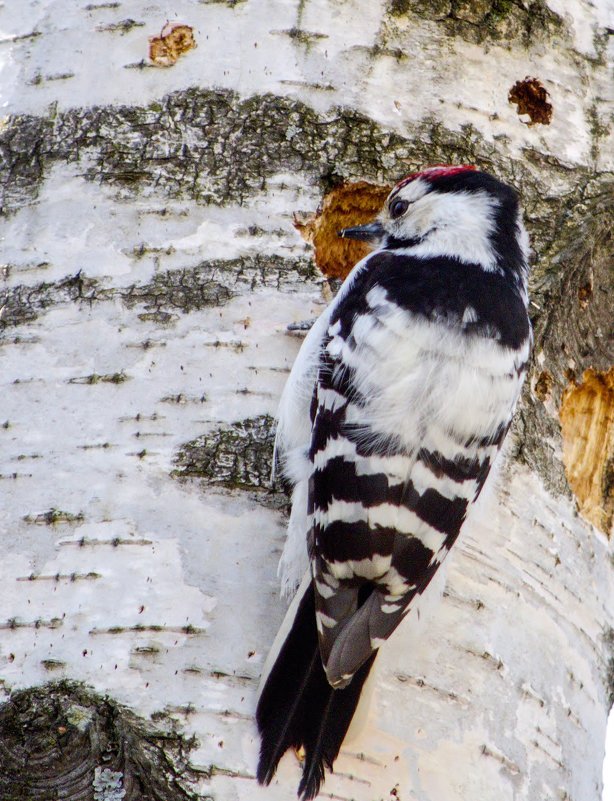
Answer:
(163, 593)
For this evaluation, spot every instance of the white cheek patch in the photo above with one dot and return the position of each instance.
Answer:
(453, 224)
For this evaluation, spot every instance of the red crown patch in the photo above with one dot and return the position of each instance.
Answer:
(434, 172)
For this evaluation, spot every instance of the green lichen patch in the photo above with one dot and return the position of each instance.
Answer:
(23, 161)
(238, 456)
(599, 128)
(573, 290)
(480, 20)
(53, 664)
(58, 738)
(306, 38)
(235, 145)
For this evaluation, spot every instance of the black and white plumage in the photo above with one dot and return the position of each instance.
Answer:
(393, 415)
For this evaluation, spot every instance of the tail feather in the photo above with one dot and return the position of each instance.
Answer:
(327, 726)
(298, 707)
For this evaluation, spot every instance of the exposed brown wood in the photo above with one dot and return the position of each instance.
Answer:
(352, 203)
(587, 422)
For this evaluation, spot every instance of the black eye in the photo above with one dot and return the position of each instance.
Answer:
(397, 208)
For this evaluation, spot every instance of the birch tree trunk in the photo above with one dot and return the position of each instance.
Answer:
(151, 267)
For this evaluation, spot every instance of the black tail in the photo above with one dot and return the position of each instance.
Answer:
(298, 707)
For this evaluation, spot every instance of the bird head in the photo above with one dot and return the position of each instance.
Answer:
(453, 211)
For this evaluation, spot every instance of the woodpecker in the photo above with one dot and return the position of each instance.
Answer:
(394, 412)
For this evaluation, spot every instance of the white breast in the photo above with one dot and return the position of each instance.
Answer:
(423, 378)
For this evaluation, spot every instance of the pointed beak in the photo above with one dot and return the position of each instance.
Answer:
(371, 232)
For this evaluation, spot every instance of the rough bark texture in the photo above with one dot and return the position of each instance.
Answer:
(60, 741)
(151, 268)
